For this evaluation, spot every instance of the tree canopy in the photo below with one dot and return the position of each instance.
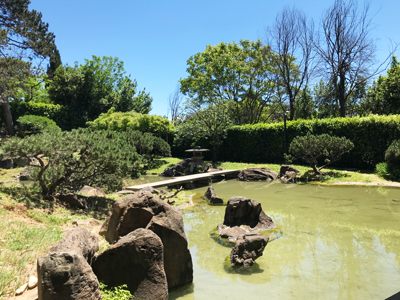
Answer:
(94, 87)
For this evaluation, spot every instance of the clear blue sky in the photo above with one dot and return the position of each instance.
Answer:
(155, 38)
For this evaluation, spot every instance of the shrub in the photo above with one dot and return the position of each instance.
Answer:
(123, 121)
(115, 293)
(31, 124)
(392, 154)
(316, 148)
(69, 160)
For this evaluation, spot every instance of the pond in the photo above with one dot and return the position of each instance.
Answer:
(330, 243)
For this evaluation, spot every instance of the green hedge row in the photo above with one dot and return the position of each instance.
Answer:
(266, 142)
(58, 113)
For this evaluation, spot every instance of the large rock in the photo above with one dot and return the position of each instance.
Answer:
(144, 210)
(212, 196)
(6, 164)
(178, 169)
(243, 215)
(247, 249)
(81, 241)
(92, 191)
(66, 276)
(137, 261)
(288, 174)
(24, 174)
(257, 174)
(74, 200)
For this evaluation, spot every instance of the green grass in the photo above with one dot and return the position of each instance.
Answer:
(162, 163)
(8, 174)
(21, 244)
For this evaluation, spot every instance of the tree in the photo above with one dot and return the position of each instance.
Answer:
(23, 36)
(174, 103)
(94, 87)
(65, 161)
(312, 148)
(305, 106)
(346, 50)
(54, 63)
(383, 97)
(291, 39)
(241, 73)
(204, 123)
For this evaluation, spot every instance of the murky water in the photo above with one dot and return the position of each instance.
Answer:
(331, 243)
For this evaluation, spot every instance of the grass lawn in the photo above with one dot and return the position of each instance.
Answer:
(332, 175)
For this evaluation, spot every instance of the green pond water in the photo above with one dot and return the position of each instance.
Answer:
(331, 243)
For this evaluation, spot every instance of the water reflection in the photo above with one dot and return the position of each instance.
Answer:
(334, 243)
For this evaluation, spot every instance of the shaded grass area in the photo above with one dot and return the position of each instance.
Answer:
(161, 164)
(8, 174)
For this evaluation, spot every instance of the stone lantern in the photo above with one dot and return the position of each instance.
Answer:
(197, 159)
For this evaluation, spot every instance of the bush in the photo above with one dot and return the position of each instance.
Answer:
(266, 142)
(30, 124)
(123, 121)
(115, 293)
(316, 149)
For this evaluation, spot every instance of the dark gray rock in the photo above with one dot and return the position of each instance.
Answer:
(66, 276)
(137, 261)
(178, 169)
(74, 200)
(287, 168)
(6, 164)
(212, 196)
(144, 210)
(80, 240)
(243, 215)
(288, 174)
(150, 189)
(257, 174)
(247, 249)
(20, 162)
(24, 174)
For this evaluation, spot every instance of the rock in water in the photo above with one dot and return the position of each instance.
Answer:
(137, 261)
(248, 248)
(66, 276)
(288, 174)
(257, 174)
(212, 196)
(243, 215)
(81, 241)
(144, 210)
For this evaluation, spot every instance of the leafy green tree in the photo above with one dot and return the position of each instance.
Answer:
(23, 36)
(383, 97)
(305, 106)
(94, 87)
(208, 124)
(69, 160)
(313, 148)
(241, 73)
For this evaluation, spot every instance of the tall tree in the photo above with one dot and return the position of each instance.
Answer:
(23, 37)
(174, 103)
(291, 39)
(346, 49)
(242, 73)
(94, 87)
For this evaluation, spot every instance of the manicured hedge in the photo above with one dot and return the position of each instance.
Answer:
(266, 142)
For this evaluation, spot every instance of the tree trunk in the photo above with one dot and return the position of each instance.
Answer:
(341, 96)
(8, 117)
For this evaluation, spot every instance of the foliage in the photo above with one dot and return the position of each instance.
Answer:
(304, 105)
(69, 160)
(30, 124)
(265, 142)
(242, 73)
(312, 148)
(23, 36)
(115, 293)
(207, 126)
(94, 87)
(392, 155)
(383, 97)
(122, 121)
